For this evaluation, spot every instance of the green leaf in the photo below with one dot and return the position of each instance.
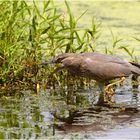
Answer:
(46, 4)
(127, 50)
(81, 15)
(72, 22)
(67, 48)
(137, 39)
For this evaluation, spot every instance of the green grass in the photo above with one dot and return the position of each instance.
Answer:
(32, 32)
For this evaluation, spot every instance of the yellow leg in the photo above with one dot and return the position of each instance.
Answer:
(109, 91)
(112, 84)
(121, 81)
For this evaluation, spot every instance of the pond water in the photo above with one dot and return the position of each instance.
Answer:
(69, 114)
(72, 113)
(120, 17)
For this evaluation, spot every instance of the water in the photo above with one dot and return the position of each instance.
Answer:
(122, 18)
(69, 114)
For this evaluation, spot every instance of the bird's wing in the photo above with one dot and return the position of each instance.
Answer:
(103, 57)
(135, 68)
(121, 64)
(99, 70)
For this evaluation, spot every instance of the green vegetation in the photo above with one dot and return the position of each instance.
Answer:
(32, 33)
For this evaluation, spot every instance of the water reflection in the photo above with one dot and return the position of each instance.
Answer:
(26, 115)
(21, 117)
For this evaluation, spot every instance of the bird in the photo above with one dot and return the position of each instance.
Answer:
(97, 66)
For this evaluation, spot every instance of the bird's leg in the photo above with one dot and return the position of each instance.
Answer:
(112, 84)
(109, 91)
(121, 81)
(101, 95)
(100, 99)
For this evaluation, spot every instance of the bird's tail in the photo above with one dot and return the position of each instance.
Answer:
(135, 64)
(136, 68)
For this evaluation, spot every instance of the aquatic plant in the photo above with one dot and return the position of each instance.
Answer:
(31, 33)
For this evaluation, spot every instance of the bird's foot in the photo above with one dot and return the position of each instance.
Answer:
(105, 102)
(109, 93)
(109, 102)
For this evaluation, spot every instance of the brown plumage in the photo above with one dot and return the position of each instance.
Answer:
(99, 67)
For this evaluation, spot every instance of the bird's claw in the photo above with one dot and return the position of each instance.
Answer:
(109, 93)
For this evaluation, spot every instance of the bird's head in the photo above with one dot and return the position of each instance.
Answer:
(59, 58)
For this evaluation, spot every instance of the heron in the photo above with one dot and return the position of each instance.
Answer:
(100, 67)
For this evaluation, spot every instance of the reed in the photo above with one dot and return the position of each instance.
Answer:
(31, 34)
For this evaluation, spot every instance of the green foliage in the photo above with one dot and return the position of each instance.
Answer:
(117, 46)
(30, 34)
